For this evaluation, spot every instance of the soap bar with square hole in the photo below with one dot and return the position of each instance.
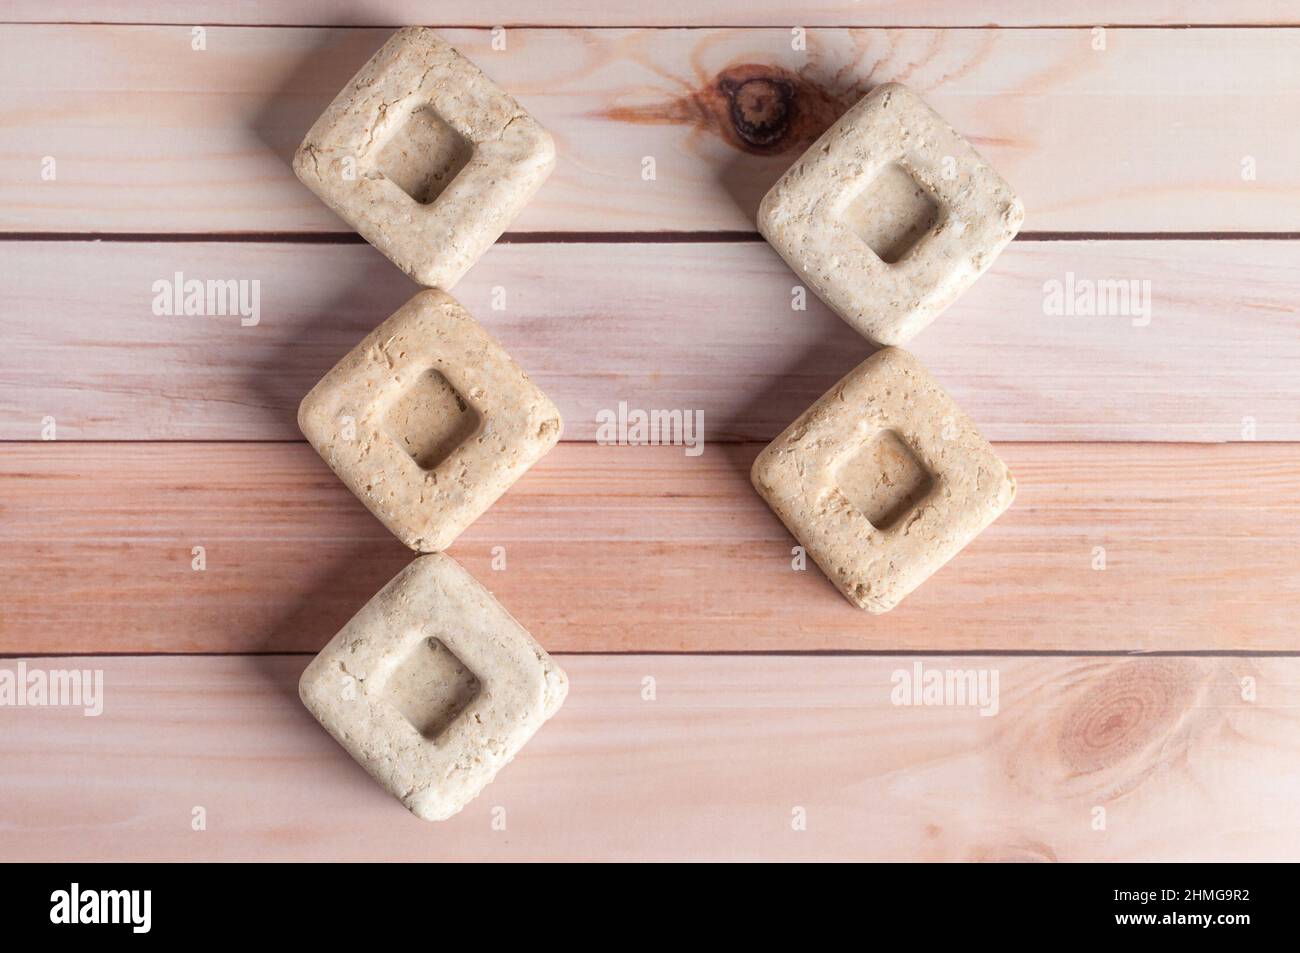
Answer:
(890, 215)
(883, 480)
(428, 421)
(432, 687)
(425, 157)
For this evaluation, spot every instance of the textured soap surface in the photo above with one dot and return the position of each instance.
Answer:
(432, 687)
(425, 157)
(428, 421)
(890, 215)
(883, 480)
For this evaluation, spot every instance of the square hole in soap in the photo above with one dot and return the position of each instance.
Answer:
(892, 213)
(431, 687)
(884, 480)
(431, 419)
(424, 155)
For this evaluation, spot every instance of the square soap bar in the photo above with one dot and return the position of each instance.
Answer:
(883, 480)
(425, 157)
(428, 421)
(890, 215)
(433, 687)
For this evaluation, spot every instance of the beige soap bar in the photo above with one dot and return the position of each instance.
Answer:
(432, 687)
(890, 215)
(428, 421)
(883, 480)
(425, 157)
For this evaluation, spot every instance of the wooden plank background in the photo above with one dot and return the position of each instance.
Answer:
(714, 767)
(1165, 449)
(489, 13)
(598, 323)
(1148, 134)
(616, 549)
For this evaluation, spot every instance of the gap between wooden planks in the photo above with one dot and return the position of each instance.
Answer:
(1150, 134)
(616, 549)
(707, 327)
(1087, 759)
(673, 13)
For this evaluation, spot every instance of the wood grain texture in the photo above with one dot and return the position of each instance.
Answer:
(1148, 135)
(705, 327)
(488, 13)
(646, 550)
(1182, 765)
(612, 549)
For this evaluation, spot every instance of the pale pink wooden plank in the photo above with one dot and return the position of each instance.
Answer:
(700, 327)
(671, 13)
(1113, 547)
(1148, 134)
(1182, 765)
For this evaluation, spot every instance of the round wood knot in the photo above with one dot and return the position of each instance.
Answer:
(769, 110)
(1136, 706)
(761, 107)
